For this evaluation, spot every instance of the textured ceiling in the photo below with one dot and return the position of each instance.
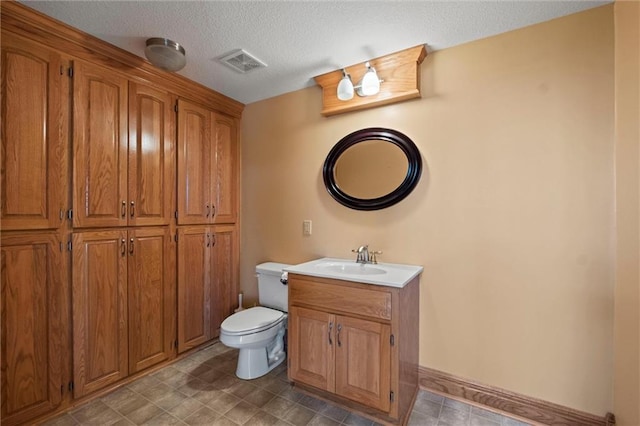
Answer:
(296, 39)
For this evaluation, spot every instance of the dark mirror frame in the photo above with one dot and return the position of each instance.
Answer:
(410, 181)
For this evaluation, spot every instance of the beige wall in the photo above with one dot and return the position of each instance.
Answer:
(627, 148)
(513, 218)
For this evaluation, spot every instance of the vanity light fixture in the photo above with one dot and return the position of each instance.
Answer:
(368, 86)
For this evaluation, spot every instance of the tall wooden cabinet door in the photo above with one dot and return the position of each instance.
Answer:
(151, 288)
(312, 347)
(194, 152)
(194, 287)
(225, 180)
(33, 135)
(99, 147)
(151, 156)
(224, 281)
(99, 301)
(32, 347)
(363, 361)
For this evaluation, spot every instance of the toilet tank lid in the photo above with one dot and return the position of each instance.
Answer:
(271, 268)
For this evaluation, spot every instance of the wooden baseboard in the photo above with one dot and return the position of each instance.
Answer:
(536, 410)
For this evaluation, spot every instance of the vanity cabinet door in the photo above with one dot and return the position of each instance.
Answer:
(363, 361)
(312, 347)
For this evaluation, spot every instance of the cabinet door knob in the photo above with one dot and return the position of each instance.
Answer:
(123, 247)
(329, 333)
(123, 208)
(338, 336)
(213, 208)
(132, 209)
(131, 247)
(208, 209)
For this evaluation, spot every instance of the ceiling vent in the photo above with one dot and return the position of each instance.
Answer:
(242, 61)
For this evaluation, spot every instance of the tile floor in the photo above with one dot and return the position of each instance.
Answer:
(202, 389)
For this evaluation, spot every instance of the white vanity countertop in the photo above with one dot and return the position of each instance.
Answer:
(384, 274)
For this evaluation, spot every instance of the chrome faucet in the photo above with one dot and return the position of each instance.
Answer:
(362, 254)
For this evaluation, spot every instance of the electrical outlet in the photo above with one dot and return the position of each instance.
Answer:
(306, 227)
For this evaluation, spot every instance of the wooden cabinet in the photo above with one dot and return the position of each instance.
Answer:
(207, 166)
(123, 151)
(33, 283)
(34, 144)
(151, 166)
(151, 301)
(99, 300)
(99, 147)
(91, 130)
(122, 302)
(349, 340)
(207, 282)
(225, 183)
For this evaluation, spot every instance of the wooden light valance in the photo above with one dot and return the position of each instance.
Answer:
(400, 72)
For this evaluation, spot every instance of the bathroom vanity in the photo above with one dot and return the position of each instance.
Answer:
(353, 335)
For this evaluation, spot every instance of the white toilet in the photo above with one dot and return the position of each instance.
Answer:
(259, 332)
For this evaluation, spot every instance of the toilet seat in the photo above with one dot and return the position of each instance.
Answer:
(252, 320)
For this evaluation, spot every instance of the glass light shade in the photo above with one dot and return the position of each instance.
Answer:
(345, 88)
(370, 84)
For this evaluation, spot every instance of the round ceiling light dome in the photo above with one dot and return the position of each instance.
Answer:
(165, 54)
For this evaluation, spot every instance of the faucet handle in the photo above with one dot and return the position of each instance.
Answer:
(372, 256)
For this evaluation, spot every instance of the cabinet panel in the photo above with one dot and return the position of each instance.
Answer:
(151, 147)
(194, 152)
(363, 361)
(33, 135)
(225, 158)
(32, 285)
(224, 282)
(100, 349)
(313, 340)
(100, 147)
(150, 288)
(194, 288)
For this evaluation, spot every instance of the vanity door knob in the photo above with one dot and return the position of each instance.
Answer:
(338, 336)
(329, 333)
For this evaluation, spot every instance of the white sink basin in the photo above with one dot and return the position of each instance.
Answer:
(351, 268)
(386, 274)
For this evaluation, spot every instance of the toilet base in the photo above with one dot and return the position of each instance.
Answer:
(254, 363)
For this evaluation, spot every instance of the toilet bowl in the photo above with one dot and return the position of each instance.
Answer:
(258, 332)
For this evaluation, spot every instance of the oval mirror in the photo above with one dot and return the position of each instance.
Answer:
(372, 168)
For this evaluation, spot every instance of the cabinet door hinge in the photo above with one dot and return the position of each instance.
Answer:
(71, 72)
(71, 386)
(70, 214)
(392, 396)
(69, 245)
(392, 340)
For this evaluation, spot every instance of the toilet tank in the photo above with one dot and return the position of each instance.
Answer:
(271, 292)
